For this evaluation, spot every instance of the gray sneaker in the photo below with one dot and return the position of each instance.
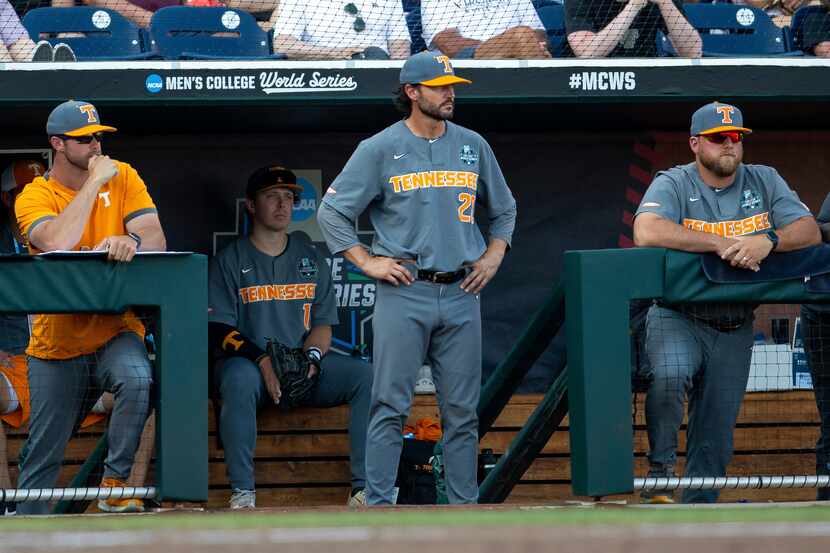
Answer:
(658, 496)
(243, 499)
(63, 52)
(358, 499)
(42, 52)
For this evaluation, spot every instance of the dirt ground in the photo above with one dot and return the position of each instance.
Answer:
(663, 538)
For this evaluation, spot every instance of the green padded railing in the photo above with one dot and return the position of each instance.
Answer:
(177, 286)
(599, 285)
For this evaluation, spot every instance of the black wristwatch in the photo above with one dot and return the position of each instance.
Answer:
(137, 239)
(773, 238)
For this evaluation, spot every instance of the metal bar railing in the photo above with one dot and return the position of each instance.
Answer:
(76, 494)
(731, 482)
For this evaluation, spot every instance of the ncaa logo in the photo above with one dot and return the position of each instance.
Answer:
(154, 84)
(307, 206)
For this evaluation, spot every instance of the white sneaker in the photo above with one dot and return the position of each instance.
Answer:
(424, 383)
(357, 500)
(243, 499)
(63, 52)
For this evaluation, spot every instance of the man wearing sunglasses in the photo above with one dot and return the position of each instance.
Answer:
(329, 30)
(87, 201)
(702, 351)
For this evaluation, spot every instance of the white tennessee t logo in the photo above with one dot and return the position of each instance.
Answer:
(106, 197)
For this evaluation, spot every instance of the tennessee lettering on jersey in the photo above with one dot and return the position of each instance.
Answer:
(277, 292)
(434, 179)
(729, 229)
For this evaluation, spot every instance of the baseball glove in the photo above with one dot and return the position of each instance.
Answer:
(291, 367)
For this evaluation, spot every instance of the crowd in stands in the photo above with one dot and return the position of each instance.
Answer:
(480, 29)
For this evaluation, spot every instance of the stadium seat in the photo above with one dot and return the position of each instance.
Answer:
(184, 32)
(797, 24)
(413, 22)
(733, 30)
(553, 18)
(106, 34)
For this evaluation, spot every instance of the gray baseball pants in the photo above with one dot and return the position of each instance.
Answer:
(691, 359)
(439, 324)
(344, 380)
(62, 393)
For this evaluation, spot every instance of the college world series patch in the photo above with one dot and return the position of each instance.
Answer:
(307, 268)
(468, 155)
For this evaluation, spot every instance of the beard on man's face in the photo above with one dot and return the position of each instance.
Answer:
(722, 164)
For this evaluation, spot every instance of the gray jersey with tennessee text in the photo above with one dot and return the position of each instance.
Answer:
(758, 200)
(265, 297)
(422, 196)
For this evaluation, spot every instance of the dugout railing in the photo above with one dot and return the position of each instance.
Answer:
(600, 284)
(175, 286)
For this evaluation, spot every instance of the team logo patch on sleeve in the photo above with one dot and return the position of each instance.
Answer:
(468, 155)
(307, 268)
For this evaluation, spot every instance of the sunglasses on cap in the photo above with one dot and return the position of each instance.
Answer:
(86, 139)
(721, 137)
(359, 24)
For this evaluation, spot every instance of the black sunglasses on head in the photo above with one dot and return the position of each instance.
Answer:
(86, 139)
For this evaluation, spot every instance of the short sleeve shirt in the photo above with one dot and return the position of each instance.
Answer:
(325, 23)
(119, 201)
(264, 296)
(477, 19)
(640, 38)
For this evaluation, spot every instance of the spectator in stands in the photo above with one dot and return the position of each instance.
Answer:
(240, 324)
(815, 32)
(484, 30)
(608, 28)
(325, 30)
(17, 46)
(87, 201)
(780, 11)
(815, 319)
(139, 11)
(702, 351)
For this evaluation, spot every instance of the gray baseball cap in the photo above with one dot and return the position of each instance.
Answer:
(74, 118)
(430, 68)
(718, 117)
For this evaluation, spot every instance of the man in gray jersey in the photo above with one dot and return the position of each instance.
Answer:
(275, 285)
(815, 319)
(702, 351)
(421, 179)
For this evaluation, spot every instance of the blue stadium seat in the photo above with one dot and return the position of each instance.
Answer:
(732, 30)
(184, 32)
(797, 24)
(413, 22)
(107, 35)
(553, 18)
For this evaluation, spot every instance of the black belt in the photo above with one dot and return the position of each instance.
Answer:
(442, 277)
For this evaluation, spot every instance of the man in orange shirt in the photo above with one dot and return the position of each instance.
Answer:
(86, 202)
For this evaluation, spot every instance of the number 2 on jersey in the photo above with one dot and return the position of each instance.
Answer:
(307, 316)
(467, 209)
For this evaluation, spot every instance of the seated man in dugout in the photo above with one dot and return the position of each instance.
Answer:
(324, 30)
(87, 201)
(253, 297)
(493, 29)
(702, 351)
(609, 28)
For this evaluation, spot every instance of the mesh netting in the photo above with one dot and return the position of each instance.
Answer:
(75, 405)
(723, 390)
(384, 29)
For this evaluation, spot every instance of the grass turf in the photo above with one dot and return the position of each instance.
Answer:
(421, 517)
